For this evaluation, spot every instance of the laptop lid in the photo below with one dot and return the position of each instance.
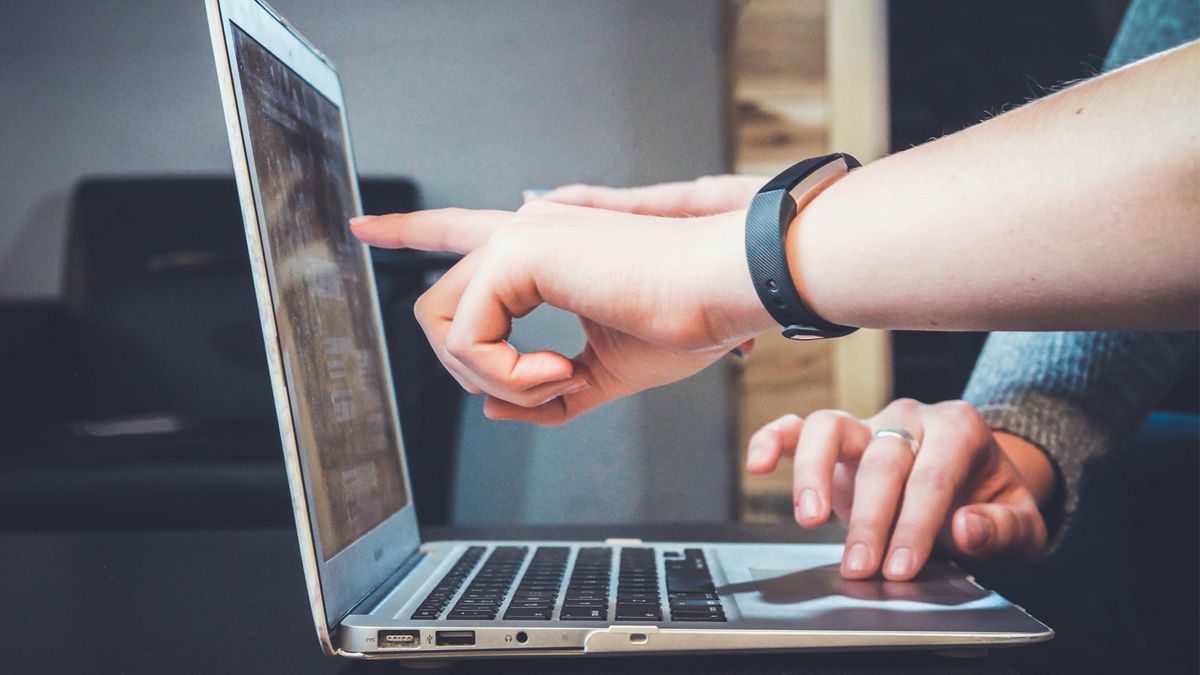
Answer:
(329, 369)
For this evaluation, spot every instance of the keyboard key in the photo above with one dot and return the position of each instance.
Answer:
(583, 614)
(653, 602)
(638, 613)
(687, 603)
(697, 611)
(705, 617)
(527, 605)
(470, 615)
(528, 613)
(603, 603)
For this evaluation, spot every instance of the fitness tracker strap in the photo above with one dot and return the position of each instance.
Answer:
(767, 221)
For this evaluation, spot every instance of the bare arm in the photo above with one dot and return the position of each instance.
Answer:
(1078, 211)
(1075, 212)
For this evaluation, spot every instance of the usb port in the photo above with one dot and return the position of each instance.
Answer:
(456, 638)
(398, 639)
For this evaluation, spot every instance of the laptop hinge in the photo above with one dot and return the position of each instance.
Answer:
(372, 599)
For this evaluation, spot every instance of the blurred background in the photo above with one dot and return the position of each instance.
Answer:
(133, 387)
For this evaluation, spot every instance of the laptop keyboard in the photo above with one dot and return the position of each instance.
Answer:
(536, 596)
(691, 595)
(449, 585)
(487, 591)
(587, 592)
(637, 586)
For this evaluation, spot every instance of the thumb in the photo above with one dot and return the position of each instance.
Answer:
(994, 530)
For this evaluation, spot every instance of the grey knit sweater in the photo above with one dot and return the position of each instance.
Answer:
(1079, 396)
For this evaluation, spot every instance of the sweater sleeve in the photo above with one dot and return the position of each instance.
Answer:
(1077, 396)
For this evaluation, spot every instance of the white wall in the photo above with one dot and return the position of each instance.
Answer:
(476, 101)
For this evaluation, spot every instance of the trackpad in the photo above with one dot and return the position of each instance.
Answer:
(802, 587)
(786, 587)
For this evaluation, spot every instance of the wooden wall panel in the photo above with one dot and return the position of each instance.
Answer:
(806, 76)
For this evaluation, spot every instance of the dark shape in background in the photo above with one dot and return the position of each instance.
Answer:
(159, 331)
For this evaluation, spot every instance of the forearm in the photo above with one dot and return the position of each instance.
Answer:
(1076, 212)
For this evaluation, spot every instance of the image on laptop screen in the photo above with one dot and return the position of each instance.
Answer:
(326, 320)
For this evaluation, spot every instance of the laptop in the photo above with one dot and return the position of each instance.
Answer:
(376, 589)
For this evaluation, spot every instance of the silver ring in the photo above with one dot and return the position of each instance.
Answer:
(897, 432)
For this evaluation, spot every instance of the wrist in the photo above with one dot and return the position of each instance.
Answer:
(808, 247)
(1032, 463)
(733, 309)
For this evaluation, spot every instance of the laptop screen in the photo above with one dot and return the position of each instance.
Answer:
(328, 333)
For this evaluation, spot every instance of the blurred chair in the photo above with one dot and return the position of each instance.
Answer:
(143, 400)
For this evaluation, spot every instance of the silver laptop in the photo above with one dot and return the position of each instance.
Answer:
(376, 589)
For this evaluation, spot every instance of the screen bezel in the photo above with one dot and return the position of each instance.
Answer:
(338, 584)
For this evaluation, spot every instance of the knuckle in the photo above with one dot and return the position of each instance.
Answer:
(826, 419)
(421, 305)
(575, 188)
(960, 414)
(779, 425)
(904, 406)
(636, 198)
(506, 237)
(822, 415)
(423, 311)
(458, 347)
(538, 207)
(936, 480)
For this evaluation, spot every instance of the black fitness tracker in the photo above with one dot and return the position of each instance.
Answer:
(767, 221)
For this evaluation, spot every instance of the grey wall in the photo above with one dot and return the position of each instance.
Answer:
(476, 101)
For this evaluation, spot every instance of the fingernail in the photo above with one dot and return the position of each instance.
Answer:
(530, 195)
(979, 531)
(810, 504)
(358, 220)
(900, 563)
(858, 559)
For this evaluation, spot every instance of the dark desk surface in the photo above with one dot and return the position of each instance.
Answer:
(233, 601)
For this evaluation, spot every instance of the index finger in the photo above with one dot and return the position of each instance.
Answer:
(443, 230)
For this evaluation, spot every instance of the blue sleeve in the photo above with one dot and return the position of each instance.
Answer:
(1077, 396)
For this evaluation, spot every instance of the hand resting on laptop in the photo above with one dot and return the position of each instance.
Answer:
(973, 492)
